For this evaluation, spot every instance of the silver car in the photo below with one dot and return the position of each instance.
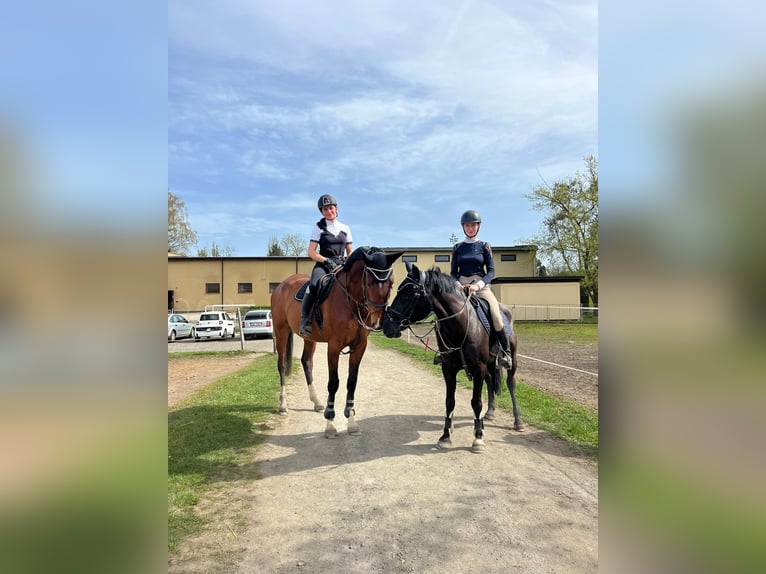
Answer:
(179, 327)
(257, 323)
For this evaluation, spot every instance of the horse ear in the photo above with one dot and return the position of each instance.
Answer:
(408, 267)
(415, 272)
(391, 257)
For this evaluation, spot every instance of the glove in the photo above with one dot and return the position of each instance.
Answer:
(332, 263)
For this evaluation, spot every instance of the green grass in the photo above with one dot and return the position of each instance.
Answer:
(210, 434)
(564, 418)
(556, 333)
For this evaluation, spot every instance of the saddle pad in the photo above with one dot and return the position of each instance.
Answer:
(482, 310)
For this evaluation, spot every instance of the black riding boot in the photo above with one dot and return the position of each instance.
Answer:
(505, 356)
(308, 304)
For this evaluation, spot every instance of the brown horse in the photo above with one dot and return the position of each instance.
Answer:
(354, 306)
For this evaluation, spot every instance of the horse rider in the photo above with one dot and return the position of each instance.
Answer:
(329, 244)
(474, 269)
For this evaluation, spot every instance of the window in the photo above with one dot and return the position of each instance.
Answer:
(410, 258)
(244, 287)
(212, 287)
(272, 287)
(442, 258)
(511, 257)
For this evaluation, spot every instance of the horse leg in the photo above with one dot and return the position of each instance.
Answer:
(494, 375)
(476, 404)
(353, 373)
(284, 364)
(333, 383)
(518, 424)
(307, 361)
(450, 380)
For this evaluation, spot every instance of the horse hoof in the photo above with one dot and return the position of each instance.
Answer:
(331, 433)
(444, 444)
(478, 446)
(354, 431)
(520, 427)
(282, 410)
(489, 416)
(318, 408)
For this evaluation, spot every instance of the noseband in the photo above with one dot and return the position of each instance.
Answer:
(403, 318)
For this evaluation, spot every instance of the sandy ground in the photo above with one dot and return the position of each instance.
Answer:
(389, 500)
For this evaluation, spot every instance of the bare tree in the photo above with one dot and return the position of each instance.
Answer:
(215, 250)
(180, 234)
(294, 244)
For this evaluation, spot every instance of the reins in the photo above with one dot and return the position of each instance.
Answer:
(380, 275)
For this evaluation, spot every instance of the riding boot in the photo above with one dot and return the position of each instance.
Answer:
(505, 356)
(308, 304)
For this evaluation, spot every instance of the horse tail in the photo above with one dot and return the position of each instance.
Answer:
(289, 353)
(494, 376)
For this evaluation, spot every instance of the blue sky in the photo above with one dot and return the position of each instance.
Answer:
(408, 112)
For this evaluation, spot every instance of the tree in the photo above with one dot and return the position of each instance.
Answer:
(569, 235)
(215, 251)
(180, 234)
(294, 244)
(274, 249)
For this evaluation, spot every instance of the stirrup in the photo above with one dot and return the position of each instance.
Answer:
(505, 360)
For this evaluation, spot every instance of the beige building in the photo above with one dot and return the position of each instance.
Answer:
(197, 282)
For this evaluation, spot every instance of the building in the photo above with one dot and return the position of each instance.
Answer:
(197, 282)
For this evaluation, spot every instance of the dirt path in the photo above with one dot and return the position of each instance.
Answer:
(389, 501)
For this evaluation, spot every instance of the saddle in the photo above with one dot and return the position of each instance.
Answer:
(324, 286)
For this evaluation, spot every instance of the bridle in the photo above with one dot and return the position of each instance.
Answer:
(365, 308)
(403, 318)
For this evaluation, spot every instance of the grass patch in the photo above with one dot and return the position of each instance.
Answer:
(556, 333)
(210, 434)
(575, 423)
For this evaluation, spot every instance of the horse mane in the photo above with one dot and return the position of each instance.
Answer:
(439, 283)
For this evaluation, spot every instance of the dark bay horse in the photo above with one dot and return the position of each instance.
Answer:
(463, 343)
(354, 306)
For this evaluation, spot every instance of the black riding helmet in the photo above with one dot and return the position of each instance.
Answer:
(326, 200)
(470, 216)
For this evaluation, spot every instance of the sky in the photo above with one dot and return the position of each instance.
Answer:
(409, 113)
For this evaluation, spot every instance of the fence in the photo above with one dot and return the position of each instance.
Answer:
(554, 313)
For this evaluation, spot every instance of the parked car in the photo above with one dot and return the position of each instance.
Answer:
(179, 327)
(256, 323)
(216, 324)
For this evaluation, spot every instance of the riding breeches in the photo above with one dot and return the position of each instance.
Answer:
(487, 294)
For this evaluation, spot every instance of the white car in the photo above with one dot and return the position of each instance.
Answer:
(179, 327)
(257, 322)
(214, 324)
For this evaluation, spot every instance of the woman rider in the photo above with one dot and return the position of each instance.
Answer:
(330, 241)
(474, 268)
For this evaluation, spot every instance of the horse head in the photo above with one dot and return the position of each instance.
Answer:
(411, 303)
(370, 276)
